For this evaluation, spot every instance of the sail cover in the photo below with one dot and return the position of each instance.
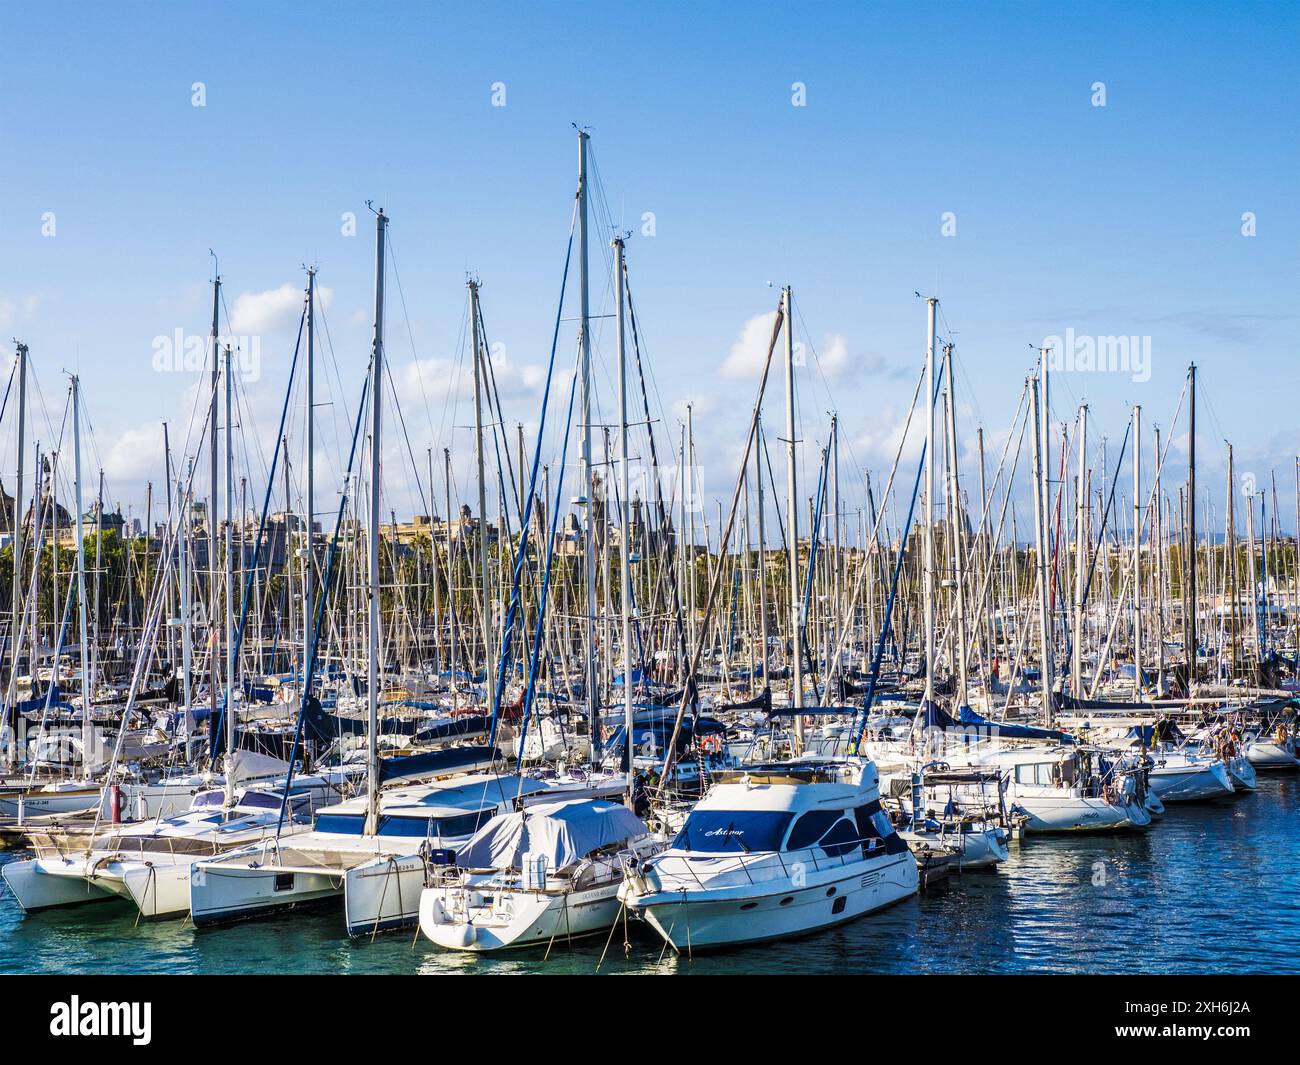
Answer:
(562, 832)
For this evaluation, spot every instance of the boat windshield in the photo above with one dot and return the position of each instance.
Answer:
(733, 831)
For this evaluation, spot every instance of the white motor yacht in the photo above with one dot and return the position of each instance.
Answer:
(773, 851)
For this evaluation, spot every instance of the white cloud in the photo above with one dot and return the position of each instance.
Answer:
(135, 456)
(258, 313)
(14, 310)
(749, 352)
(443, 379)
(832, 359)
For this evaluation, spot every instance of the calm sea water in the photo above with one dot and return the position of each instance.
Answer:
(1211, 888)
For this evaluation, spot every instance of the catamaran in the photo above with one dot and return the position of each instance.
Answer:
(147, 862)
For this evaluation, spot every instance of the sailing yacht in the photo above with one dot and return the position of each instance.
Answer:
(525, 878)
(1275, 751)
(963, 812)
(1187, 775)
(1070, 788)
(773, 851)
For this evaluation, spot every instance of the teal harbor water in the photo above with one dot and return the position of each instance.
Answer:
(1211, 888)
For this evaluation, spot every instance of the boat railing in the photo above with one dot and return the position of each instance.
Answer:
(852, 851)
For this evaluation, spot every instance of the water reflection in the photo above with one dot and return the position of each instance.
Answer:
(1211, 888)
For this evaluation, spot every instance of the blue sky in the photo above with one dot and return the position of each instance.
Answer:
(1117, 220)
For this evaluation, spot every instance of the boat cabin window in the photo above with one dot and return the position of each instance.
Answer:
(260, 800)
(875, 832)
(841, 839)
(417, 827)
(1046, 774)
(340, 824)
(464, 825)
(810, 828)
(733, 831)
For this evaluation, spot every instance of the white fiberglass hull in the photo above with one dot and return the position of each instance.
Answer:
(698, 919)
(1062, 812)
(161, 889)
(983, 848)
(514, 918)
(383, 893)
(29, 804)
(1191, 782)
(232, 892)
(1242, 773)
(1271, 755)
(141, 802)
(50, 883)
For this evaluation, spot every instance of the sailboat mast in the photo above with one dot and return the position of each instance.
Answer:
(213, 583)
(1189, 605)
(451, 578)
(485, 594)
(625, 531)
(792, 512)
(376, 447)
(18, 516)
(229, 717)
(187, 643)
(762, 551)
(1040, 526)
(1081, 505)
(837, 595)
(81, 580)
(927, 582)
(957, 550)
(1158, 528)
(1137, 552)
(309, 517)
(588, 474)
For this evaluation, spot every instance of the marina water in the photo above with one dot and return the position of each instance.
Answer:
(1209, 888)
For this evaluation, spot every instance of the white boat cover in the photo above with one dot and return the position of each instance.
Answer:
(252, 765)
(562, 832)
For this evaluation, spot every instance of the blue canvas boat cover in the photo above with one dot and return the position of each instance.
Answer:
(562, 832)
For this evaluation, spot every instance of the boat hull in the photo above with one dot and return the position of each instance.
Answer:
(382, 894)
(223, 892)
(1191, 783)
(536, 919)
(52, 883)
(1076, 813)
(28, 804)
(694, 920)
(1271, 755)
